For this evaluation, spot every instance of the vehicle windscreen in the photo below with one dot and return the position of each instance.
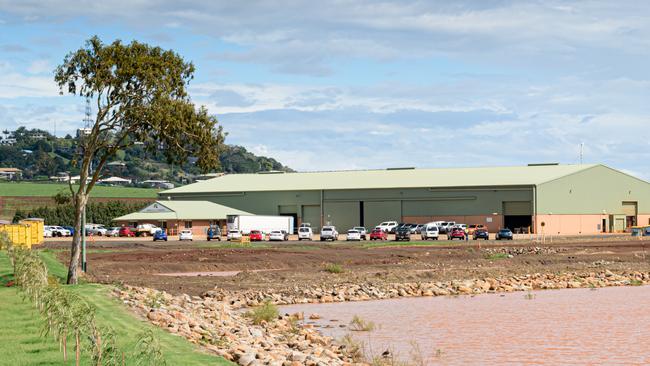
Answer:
(304, 230)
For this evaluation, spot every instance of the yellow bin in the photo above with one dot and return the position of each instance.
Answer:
(37, 229)
(19, 234)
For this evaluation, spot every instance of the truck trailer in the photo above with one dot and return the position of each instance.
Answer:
(266, 224)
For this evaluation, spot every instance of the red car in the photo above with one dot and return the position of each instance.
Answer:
(457, 234)
(378, 234)
(125, 231)
(256, 235)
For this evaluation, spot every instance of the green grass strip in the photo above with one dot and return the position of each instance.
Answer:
(21, 342)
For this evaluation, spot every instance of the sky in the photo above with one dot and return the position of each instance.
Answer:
(334, 85)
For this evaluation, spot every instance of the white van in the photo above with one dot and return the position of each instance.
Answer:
(430, 231)
(305, 233)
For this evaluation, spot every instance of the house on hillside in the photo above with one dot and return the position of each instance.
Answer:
(10, 173)
(113, 181)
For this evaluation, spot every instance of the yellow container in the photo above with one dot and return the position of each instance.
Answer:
(37, 229)
(19, 234)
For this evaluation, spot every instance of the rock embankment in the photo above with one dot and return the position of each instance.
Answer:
(215, 322)
(219, 328)
(382, 290)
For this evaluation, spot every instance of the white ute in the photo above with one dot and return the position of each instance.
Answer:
(305, 233)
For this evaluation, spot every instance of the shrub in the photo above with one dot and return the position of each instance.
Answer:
(357, 324)
(333, 268)
(264, 313)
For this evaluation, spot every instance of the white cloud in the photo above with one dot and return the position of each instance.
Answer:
(40, 67)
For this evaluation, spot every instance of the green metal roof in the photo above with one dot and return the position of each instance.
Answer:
(389, 178)
(182, 210)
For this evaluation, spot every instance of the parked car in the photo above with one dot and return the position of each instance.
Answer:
(305, 233)
(113, 231)
(95, 229)
(457, 233)
(504, 234)
(403, 233)
(419, 228)
(388, 226)
(256, 235)
(445, 226)
(378, 234)
(414, 228)
(329, 233)
(429, 232)
(185, 234)
(70, 229)
(233, 234)
(481, 234)
(353, 235)
(126, 231)
(146, 229)
(214, 232)
(276, 235)
(362, 231)
(473, 227)
(305, 224)
(47, 232)
(159, 235)
(59, 231)
(286, 235)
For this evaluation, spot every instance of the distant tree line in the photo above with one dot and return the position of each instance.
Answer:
(41, 155)
(96, 213)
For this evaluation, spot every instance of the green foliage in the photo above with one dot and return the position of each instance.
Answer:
(496, 256)
(265, 313)
(96, 213)
(333, 268)
(148, 352)
(357, 324)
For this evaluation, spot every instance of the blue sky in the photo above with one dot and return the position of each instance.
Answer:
(358, 84)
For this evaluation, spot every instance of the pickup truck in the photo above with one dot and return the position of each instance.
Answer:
(146, 230)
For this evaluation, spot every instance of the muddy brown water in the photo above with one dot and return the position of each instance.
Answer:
(606, 326)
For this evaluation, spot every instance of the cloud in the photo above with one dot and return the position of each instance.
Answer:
(14, 48)
(40, 67)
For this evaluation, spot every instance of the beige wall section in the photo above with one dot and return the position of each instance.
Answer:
(643, 220)
(495, 224)
(570, 224)
(595, 191)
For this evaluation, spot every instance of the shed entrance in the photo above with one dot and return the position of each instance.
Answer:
(518, 216)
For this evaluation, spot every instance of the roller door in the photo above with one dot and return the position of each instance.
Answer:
(375, 212)
(311, 214)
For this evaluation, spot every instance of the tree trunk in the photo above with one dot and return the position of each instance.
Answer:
(77, 348)
(80, 201)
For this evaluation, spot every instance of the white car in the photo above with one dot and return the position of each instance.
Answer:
(47, 232)
(388, 226)
(353, 235)
(430, 231)
(362, 231)
(56, 231)
(233, 235)
(113, 231)
(185, 235)
(95, 229)
(276, 235)
(146, 229)
(305, 233)
(329, 233)
(445, 226)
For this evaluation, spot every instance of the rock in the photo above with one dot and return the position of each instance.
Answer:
(314, 316)
(247, 359)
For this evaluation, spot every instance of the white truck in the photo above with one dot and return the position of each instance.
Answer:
(266, 224)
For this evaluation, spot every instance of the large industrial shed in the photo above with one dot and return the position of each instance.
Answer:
(549, 198)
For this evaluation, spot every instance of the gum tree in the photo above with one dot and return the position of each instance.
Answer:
(140, 95)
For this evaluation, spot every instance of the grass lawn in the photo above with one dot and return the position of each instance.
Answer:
(51, 189)
(21, 325)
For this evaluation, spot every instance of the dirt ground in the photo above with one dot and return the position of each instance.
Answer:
(199, 266)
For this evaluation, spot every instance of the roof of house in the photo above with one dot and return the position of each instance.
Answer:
(182, 210)
(10, 170)
(115, 180)
(388, 178)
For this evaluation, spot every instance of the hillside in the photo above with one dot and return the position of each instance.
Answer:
(41, 155)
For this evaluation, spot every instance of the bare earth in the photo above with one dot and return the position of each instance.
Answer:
(199, 266)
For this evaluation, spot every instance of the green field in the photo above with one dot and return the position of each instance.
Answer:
(27, 189)
(21, 326)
